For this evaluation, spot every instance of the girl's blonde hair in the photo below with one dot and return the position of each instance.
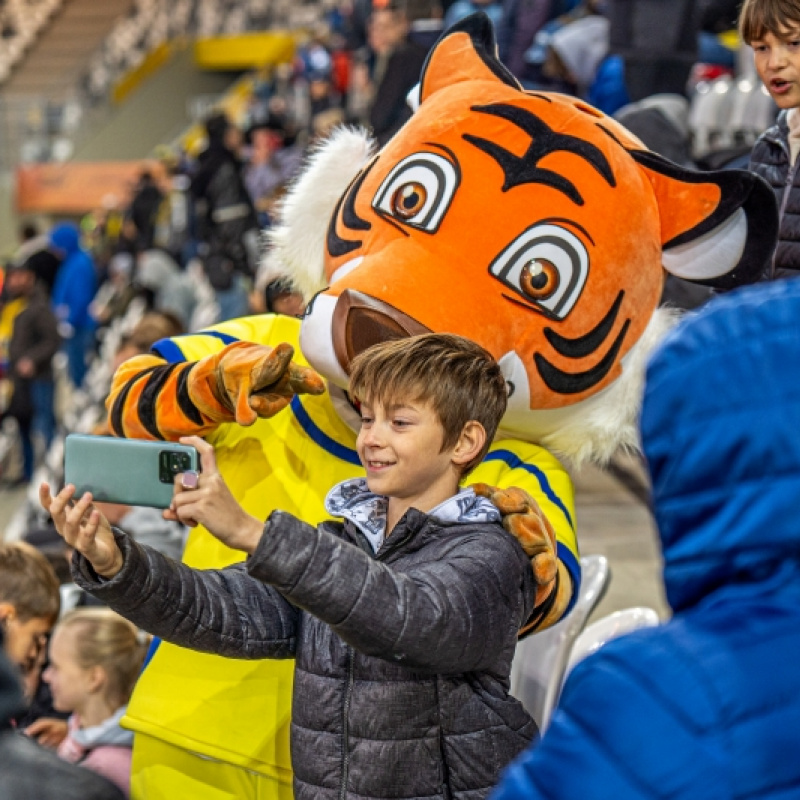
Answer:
(107, 640)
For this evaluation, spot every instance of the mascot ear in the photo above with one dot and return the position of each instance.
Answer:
(465, 52)
(717, 228)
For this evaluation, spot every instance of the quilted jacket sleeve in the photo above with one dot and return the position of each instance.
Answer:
(223, 611)
(456, 610)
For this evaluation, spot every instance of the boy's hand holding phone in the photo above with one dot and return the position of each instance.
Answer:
(205, 499)
(84, 528)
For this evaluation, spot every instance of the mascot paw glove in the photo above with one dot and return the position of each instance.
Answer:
(524, 520)
(250, 381)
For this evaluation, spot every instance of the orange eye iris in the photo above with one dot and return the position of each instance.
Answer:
(409, 200)
(539, 279)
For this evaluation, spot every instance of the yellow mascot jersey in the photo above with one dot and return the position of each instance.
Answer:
(238, 711)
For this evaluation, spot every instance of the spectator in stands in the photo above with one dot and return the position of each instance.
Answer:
(34, 342)
(117, 291)
(706, 705)
(143, 209)
(391, 69)
(175, 220)
(35, 250)
(773, 33)
(167, 288)
(576, 51)
(271, 162)
(544, 68)
(717, 17)
(657, 40)
(75, 286)
(280, 297)
(227, 223)
(463, 8)
(520, 22)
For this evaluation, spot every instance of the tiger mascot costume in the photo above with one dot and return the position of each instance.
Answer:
(528, 222)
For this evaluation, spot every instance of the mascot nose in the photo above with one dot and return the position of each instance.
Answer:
(360, 321)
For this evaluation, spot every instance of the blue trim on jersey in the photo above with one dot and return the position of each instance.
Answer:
(515, 462)
(169, 351)
(168, 348)
(151, 651)
(321, 438)
(567, 558)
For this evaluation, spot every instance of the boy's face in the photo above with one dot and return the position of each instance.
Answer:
(24, 640)
(400, 447)
(777, 61)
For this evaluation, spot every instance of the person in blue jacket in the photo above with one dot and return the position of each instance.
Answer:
(707, 705)
(74, 289)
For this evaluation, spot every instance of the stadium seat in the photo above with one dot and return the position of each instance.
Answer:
(541, 659)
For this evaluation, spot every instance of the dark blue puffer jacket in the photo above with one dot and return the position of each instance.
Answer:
(706, 706)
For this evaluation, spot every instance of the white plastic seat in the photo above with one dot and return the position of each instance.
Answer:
(541, 659)
(607, 628)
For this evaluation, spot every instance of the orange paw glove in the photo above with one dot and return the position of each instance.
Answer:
(526, 522)
(248, 381)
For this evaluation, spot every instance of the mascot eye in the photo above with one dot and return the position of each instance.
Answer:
(418, 191)
(539, 279)
(409, 200)
(547, 265)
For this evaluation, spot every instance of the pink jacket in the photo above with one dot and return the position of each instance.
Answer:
(104, 748)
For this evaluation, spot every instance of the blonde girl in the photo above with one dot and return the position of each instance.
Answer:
(95, 658)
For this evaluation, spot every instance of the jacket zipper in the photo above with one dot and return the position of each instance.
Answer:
(777, 140)
(442, 751)
(350, 680)
(345, 724)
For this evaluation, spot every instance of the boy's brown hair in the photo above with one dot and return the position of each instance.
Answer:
(759, 17)
(458, 378)
(28, 582)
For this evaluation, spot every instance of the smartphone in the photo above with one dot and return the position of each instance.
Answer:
(135, 472)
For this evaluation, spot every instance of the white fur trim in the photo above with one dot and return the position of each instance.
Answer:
(296, 246)
(593, 429)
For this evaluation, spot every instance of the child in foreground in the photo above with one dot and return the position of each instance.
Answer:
(95, 658)
(402, 618)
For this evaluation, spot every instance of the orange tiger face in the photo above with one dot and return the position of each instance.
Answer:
(530, 223)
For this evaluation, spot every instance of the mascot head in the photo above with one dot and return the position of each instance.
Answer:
(529, 222)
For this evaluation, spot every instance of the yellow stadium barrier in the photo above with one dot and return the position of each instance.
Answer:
(245, 51)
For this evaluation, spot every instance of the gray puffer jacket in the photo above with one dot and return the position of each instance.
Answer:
(771, 160)
(403, 657)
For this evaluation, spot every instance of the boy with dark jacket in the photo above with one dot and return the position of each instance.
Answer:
(402, 618)
(772, 29)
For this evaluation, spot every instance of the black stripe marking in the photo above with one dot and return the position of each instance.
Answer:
(115, 418)
(184, 401)
(585, 345)
(562, 382)
(147, 400)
